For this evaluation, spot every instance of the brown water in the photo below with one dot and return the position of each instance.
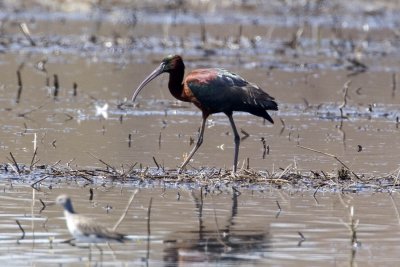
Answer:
(101, 49)
(223, 227)
(68, 129)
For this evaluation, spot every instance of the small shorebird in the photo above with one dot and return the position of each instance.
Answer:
(85, 229)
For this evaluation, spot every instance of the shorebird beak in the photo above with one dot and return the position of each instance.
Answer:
(148, 79)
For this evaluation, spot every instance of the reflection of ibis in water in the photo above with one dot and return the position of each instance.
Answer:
(229, 243)
(213, 91)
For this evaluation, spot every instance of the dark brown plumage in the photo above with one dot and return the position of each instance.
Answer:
(213, 90)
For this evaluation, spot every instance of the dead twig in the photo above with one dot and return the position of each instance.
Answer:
(19, 81)
(15, 164)
(302, 239)
(25, 30)
(148, 229)
(126, 210)
(22, 230)
(245, 135)
(286, 170)
(33, 159)
(38, 181)
(75, 89)
(30, 111)
(102, 161)
(43, 205)
(345, 93)
(56, 86)
(332, 156)
(155, 161)
(264, 147)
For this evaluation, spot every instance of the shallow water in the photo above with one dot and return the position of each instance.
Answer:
(68, 129)
(108, 49)
(232, 229)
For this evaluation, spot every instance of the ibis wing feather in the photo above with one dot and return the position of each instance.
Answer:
(219, 90)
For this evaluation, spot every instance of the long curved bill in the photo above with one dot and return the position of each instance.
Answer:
(148, 79)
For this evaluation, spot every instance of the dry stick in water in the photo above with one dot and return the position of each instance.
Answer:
(56, 85)
(33, 159)
(286, 170)
(22, 230)
(397, 178)
(25, 30)
(43, 205)
(264, 147)
(346, 89)
(126, 210)
(75, 89)
(131, 168)
(155, 161)
(315, 194)
(11, 166)
(15, 163)
(240, 33)
(91, 194)
(102, 161)
(353, 227)
(394, 84)
(30, 111)
(283, 127)
(245, 135)
(19, 80)
(148, 230)
(203, 31)
(279, 210)
(279, 206)
(302, 239)
(332, 156)
(38, 181)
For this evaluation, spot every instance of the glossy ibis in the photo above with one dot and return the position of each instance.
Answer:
(213, 90)
(85, 229)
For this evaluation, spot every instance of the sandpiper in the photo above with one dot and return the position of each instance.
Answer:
(84, 229)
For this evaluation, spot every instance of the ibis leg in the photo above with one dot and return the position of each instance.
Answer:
(237, 142)
(198, 144)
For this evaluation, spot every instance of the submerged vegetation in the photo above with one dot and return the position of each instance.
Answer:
(290, 178)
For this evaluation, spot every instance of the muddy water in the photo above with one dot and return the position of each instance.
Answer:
(193, 226)
(107, 50)
(69, 128)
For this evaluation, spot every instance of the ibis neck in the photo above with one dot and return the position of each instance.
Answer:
(175, 84)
